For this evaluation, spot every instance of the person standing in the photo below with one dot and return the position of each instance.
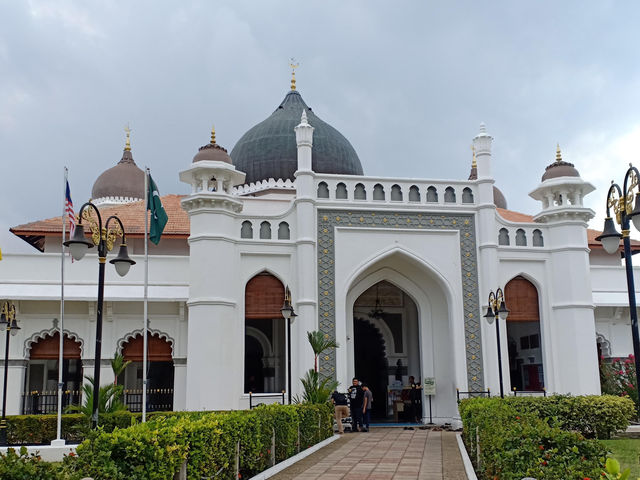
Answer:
(416, 400)
(341, 410)
(367, 404)
(356, 396)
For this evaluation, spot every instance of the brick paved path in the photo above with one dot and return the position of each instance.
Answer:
(383, 454)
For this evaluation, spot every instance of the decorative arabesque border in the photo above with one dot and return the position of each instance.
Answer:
(328, 220)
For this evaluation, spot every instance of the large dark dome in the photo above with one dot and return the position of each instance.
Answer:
(269, 149)
(125, 180)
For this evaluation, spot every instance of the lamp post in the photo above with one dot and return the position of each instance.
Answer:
(621, 201)
(497, 307)
(10, 324)
(103, 237)
(289, 315)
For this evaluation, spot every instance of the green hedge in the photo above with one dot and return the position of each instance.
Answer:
(543, 438)
(208, 442)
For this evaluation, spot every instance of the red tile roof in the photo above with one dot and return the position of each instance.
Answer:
(131, 215)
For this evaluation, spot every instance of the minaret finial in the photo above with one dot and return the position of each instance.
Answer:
(127, 145)
(293, 64)
(474, 164)
(213, 135)
(558, 153)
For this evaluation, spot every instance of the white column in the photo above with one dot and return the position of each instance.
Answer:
(179, 384)
(304, 292)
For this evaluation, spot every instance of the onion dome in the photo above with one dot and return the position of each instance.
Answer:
(269, 150)
(560, 168)
(125, 181)
(212, 151)
(499, 199)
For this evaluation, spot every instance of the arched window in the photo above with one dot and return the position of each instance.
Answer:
(42, 374)
(264, 350)
(265, 231)
(378, 192)
(247, 230)
(414, 194)
(360, 193)
(396, 193)
(283, 231)
(503, 237)
(524, 335)
(521, 238)
(432, 194)
(538, 239)
(467, 195)
(160, 373)
(341, 191)
(449, 195)
(323, 190)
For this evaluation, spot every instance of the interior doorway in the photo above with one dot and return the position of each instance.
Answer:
(387, 349)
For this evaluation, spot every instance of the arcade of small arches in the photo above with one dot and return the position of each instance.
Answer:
(396, 193)
(42, 363)
(537, 239)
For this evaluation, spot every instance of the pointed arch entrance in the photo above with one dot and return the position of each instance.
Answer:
(41, 382)
(264, 346)
(160, 373)
(526, 366)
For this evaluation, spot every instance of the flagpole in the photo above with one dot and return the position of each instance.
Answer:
(59, 440)
(146, 296)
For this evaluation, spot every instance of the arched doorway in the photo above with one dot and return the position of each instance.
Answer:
(386, 348)
(526, 370)
(41, 392)
(265, 347)
(160, 373)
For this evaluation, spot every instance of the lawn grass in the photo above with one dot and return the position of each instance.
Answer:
(627, 452)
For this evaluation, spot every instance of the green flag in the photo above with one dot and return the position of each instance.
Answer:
(158, 215)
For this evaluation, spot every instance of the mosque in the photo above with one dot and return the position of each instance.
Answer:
(396, 270)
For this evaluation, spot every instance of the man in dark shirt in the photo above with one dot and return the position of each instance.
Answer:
(341, 409)
(415, 413)
(355, 399)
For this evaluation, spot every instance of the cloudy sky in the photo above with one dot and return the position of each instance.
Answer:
(407, 83)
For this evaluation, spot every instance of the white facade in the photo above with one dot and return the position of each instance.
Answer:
(444, 254)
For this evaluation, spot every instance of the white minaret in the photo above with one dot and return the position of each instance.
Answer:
(569, 326)
(304, 293)
(488, 258)
(216, 328)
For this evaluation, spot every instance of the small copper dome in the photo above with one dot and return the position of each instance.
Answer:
(125, 180)
(559, 168)
(212, 151)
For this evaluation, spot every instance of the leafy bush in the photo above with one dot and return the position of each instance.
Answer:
(516, 443)
(22, 466)
(594, 416)
(618, 377)
(209, 442)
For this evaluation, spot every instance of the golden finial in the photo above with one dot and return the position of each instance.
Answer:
(474, 164)
(213, 135)
(293, 64)
(558, 154)
(127, 146)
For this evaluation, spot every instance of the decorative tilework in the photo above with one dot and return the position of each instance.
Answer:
(464, 223)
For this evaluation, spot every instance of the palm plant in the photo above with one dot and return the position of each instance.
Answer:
(118, 365)
(316, 390)
(110, 400)
(319, 343)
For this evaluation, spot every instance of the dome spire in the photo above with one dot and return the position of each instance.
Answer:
(293, 64)
(127, 145)
(474, 163)
(213, 135)
(558, 153)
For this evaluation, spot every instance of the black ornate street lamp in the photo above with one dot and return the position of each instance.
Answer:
(621, 201)
(103, 237)
(289, 315)
(497, 307)
(10, 324)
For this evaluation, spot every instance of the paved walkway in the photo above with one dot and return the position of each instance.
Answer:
(383, 454)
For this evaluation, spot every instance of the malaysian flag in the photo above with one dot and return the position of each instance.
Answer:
(68, 209)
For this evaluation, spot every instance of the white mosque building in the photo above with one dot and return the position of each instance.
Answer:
(396, 270)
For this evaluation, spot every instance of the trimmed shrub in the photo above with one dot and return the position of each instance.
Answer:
(22, 466)
(510, 443)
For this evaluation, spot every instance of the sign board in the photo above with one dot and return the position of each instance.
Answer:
(429, 386)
